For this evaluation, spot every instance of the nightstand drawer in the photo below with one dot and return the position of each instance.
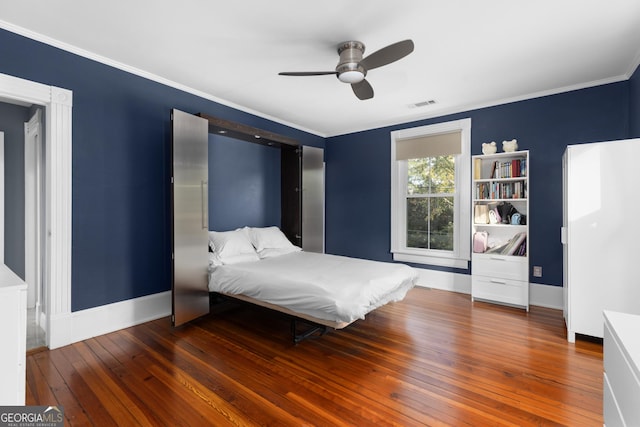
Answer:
(610, 411)
(501, 266)
(506, 291)
(621, 378)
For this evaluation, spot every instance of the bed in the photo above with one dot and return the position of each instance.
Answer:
(260, 266)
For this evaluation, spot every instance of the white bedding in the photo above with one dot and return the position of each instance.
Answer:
(329, 287)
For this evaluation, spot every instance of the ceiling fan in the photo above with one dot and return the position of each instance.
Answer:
(352, 68)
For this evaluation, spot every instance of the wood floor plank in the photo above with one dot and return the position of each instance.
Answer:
(136, 374)
(39, 385)
(277, 391)
(74, 414)
(244, 396)
(81, 392)
(111, 394)
(196, 396)
(435, 359)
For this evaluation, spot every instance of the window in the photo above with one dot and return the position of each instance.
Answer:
(430, 204)
(430, 195)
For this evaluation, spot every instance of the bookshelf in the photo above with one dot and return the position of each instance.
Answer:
(500, 230)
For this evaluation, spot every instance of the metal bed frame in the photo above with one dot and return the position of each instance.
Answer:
(315, 327)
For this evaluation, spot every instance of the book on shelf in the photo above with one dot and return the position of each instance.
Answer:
(514, 168)
(477, 168)
(516, 243)
(500, 190)
(516, 246)
(481, 214)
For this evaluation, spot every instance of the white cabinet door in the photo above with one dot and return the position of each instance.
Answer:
(602, 240)
(13, 318)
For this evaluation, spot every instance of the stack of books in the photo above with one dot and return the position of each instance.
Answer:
(516, 246)
(510, 169)
(500, 190)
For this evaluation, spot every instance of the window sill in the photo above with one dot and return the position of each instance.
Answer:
(431, 260)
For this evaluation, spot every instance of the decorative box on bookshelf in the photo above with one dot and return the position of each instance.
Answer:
(500, 230)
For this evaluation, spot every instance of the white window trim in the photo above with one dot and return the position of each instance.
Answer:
(462, 216)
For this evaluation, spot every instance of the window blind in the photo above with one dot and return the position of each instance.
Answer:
(442, 144)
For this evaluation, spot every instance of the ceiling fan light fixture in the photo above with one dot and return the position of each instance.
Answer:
(352, 67)
(354, 76)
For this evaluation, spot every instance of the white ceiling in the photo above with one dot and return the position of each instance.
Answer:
(468, 53)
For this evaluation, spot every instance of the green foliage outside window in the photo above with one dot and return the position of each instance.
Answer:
(430, 190)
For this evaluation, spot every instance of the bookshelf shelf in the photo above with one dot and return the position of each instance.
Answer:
(498, 200)
(500, 231)
(517, 228)
(501, 179)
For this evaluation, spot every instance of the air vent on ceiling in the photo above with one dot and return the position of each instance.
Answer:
(422, 104)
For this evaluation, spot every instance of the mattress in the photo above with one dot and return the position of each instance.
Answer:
(329, 287)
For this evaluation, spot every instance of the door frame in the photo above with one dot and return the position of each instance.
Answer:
(33, 212)
(58, 105)
(1, 197)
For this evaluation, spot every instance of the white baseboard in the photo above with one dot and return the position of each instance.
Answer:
(444, 280)
(85, 324)
(540, 295)
(546, 296)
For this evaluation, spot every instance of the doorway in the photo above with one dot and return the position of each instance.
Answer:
(57, 103)
(22, 206)
(34, 202)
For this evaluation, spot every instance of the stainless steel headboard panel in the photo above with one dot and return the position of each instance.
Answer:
(313, 199)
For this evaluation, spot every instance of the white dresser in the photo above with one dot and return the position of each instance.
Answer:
(13, 333)
(621, 394)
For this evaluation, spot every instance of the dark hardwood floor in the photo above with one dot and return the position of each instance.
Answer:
(435, 358)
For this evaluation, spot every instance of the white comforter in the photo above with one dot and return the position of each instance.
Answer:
(329, 287)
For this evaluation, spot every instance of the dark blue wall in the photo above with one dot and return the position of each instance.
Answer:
(12, 119)
(634, 105)
(244, 184)
(120, 177)
(359, 175)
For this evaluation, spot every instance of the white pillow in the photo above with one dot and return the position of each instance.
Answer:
(232, 247)
(268, 238)
(274, 252)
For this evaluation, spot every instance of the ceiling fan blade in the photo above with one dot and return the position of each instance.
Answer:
(363, 90)
(308, 73)
(387, 55)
